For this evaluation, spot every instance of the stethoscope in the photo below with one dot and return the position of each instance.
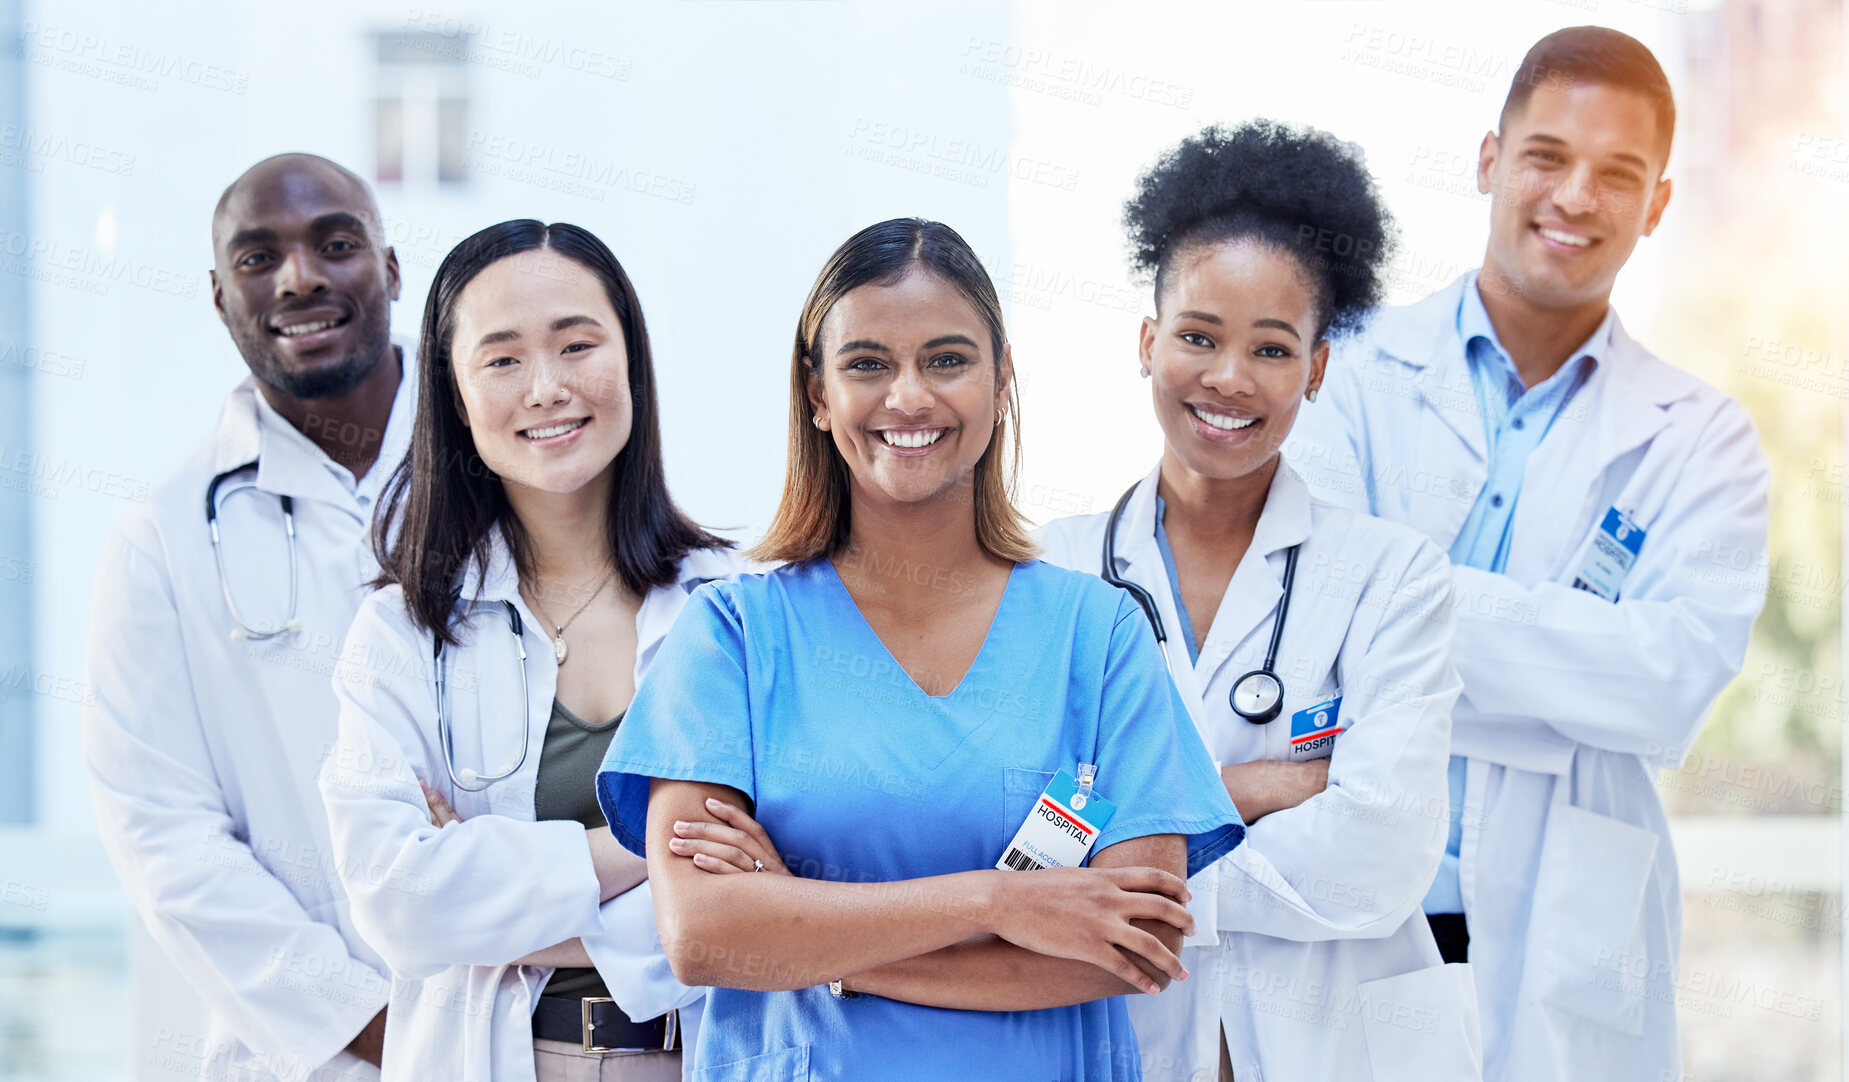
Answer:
(240, 630)
(467, 778)
(1258, 696)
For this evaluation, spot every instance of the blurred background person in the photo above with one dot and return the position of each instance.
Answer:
(217, 617)
(1591, 481)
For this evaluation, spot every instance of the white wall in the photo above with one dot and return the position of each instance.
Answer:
(750, 112)
(790, 123)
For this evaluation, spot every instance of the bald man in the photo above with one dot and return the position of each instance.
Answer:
(219, 610)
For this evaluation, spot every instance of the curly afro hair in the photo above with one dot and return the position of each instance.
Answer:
(1300, 191)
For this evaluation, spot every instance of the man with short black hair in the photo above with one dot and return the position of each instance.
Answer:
(219, 611)
(1596, 503)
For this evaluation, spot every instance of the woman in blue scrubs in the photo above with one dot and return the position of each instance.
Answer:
(890, 705)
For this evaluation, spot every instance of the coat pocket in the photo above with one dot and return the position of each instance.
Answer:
(1586, 942)
(1422, 1026)
(783, 1065)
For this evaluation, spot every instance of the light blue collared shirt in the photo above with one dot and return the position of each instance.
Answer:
(1174, 584)
(1515, 421)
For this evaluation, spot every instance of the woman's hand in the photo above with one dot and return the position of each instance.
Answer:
(441, 814)
(1086, 914)
(737, 843)
(1263, 786)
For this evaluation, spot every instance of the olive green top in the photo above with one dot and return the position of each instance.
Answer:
(567, 789)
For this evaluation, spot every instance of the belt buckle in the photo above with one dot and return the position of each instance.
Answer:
(585, 1006)
(670, 1029)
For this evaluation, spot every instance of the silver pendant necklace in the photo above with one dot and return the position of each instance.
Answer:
(559, 649)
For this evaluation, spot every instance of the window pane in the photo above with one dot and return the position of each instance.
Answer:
(453, 140)
(388, 140)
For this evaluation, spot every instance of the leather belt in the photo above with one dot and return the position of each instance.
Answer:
(597, 1024)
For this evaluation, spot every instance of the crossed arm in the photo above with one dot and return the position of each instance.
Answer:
(618, 871)
(982, 940)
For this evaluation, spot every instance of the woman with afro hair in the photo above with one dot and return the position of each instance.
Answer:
(1311, 644)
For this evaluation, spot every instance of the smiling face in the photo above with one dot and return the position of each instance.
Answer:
(542, 372)
(302, 278)
(1576, 178)
(1231, 353)
(909, 387)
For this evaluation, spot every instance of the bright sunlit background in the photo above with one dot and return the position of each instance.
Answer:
(723, 149)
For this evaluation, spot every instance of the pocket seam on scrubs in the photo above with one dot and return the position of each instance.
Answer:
(1021, 787)
(789, 1064)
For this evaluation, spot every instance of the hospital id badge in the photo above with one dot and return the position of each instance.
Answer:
(1614, 550)
(1063, 826)
(1313, 730)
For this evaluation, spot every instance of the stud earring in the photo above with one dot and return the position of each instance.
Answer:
(1144, 371)
(1310, 395)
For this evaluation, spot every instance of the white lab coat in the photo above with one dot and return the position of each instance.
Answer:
(202, 751)
(449, 909)
(1324, 967)
(1570, 702)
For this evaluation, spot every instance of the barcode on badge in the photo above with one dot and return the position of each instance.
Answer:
(1021, 862)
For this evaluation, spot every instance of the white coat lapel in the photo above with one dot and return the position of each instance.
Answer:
(1424, 335)
(1569, 481)
(1242, 626)
(485, 684)
(1139, 560)
(662, 605)
(1432, 472)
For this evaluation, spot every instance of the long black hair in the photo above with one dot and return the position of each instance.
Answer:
(443, 503)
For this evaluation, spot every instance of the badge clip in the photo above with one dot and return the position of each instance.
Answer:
(1088, 773)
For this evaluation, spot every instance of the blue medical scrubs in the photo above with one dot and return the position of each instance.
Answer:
(775, 685)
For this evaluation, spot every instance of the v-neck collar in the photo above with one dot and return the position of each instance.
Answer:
(834, 581)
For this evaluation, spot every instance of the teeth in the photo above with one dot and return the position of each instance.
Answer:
(913, 439)
(552, 430)
(1222, 421)
(1566, 238)
(308, 328)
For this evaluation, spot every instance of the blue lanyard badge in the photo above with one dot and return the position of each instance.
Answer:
(1061, 829)
(1313, 730)
(1614, 550)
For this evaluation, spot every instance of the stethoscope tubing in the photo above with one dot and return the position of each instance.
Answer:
(239, 627)
(444, 741)
(1147, 603)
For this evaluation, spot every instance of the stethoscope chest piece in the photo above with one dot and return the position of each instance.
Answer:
(1257, 696)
